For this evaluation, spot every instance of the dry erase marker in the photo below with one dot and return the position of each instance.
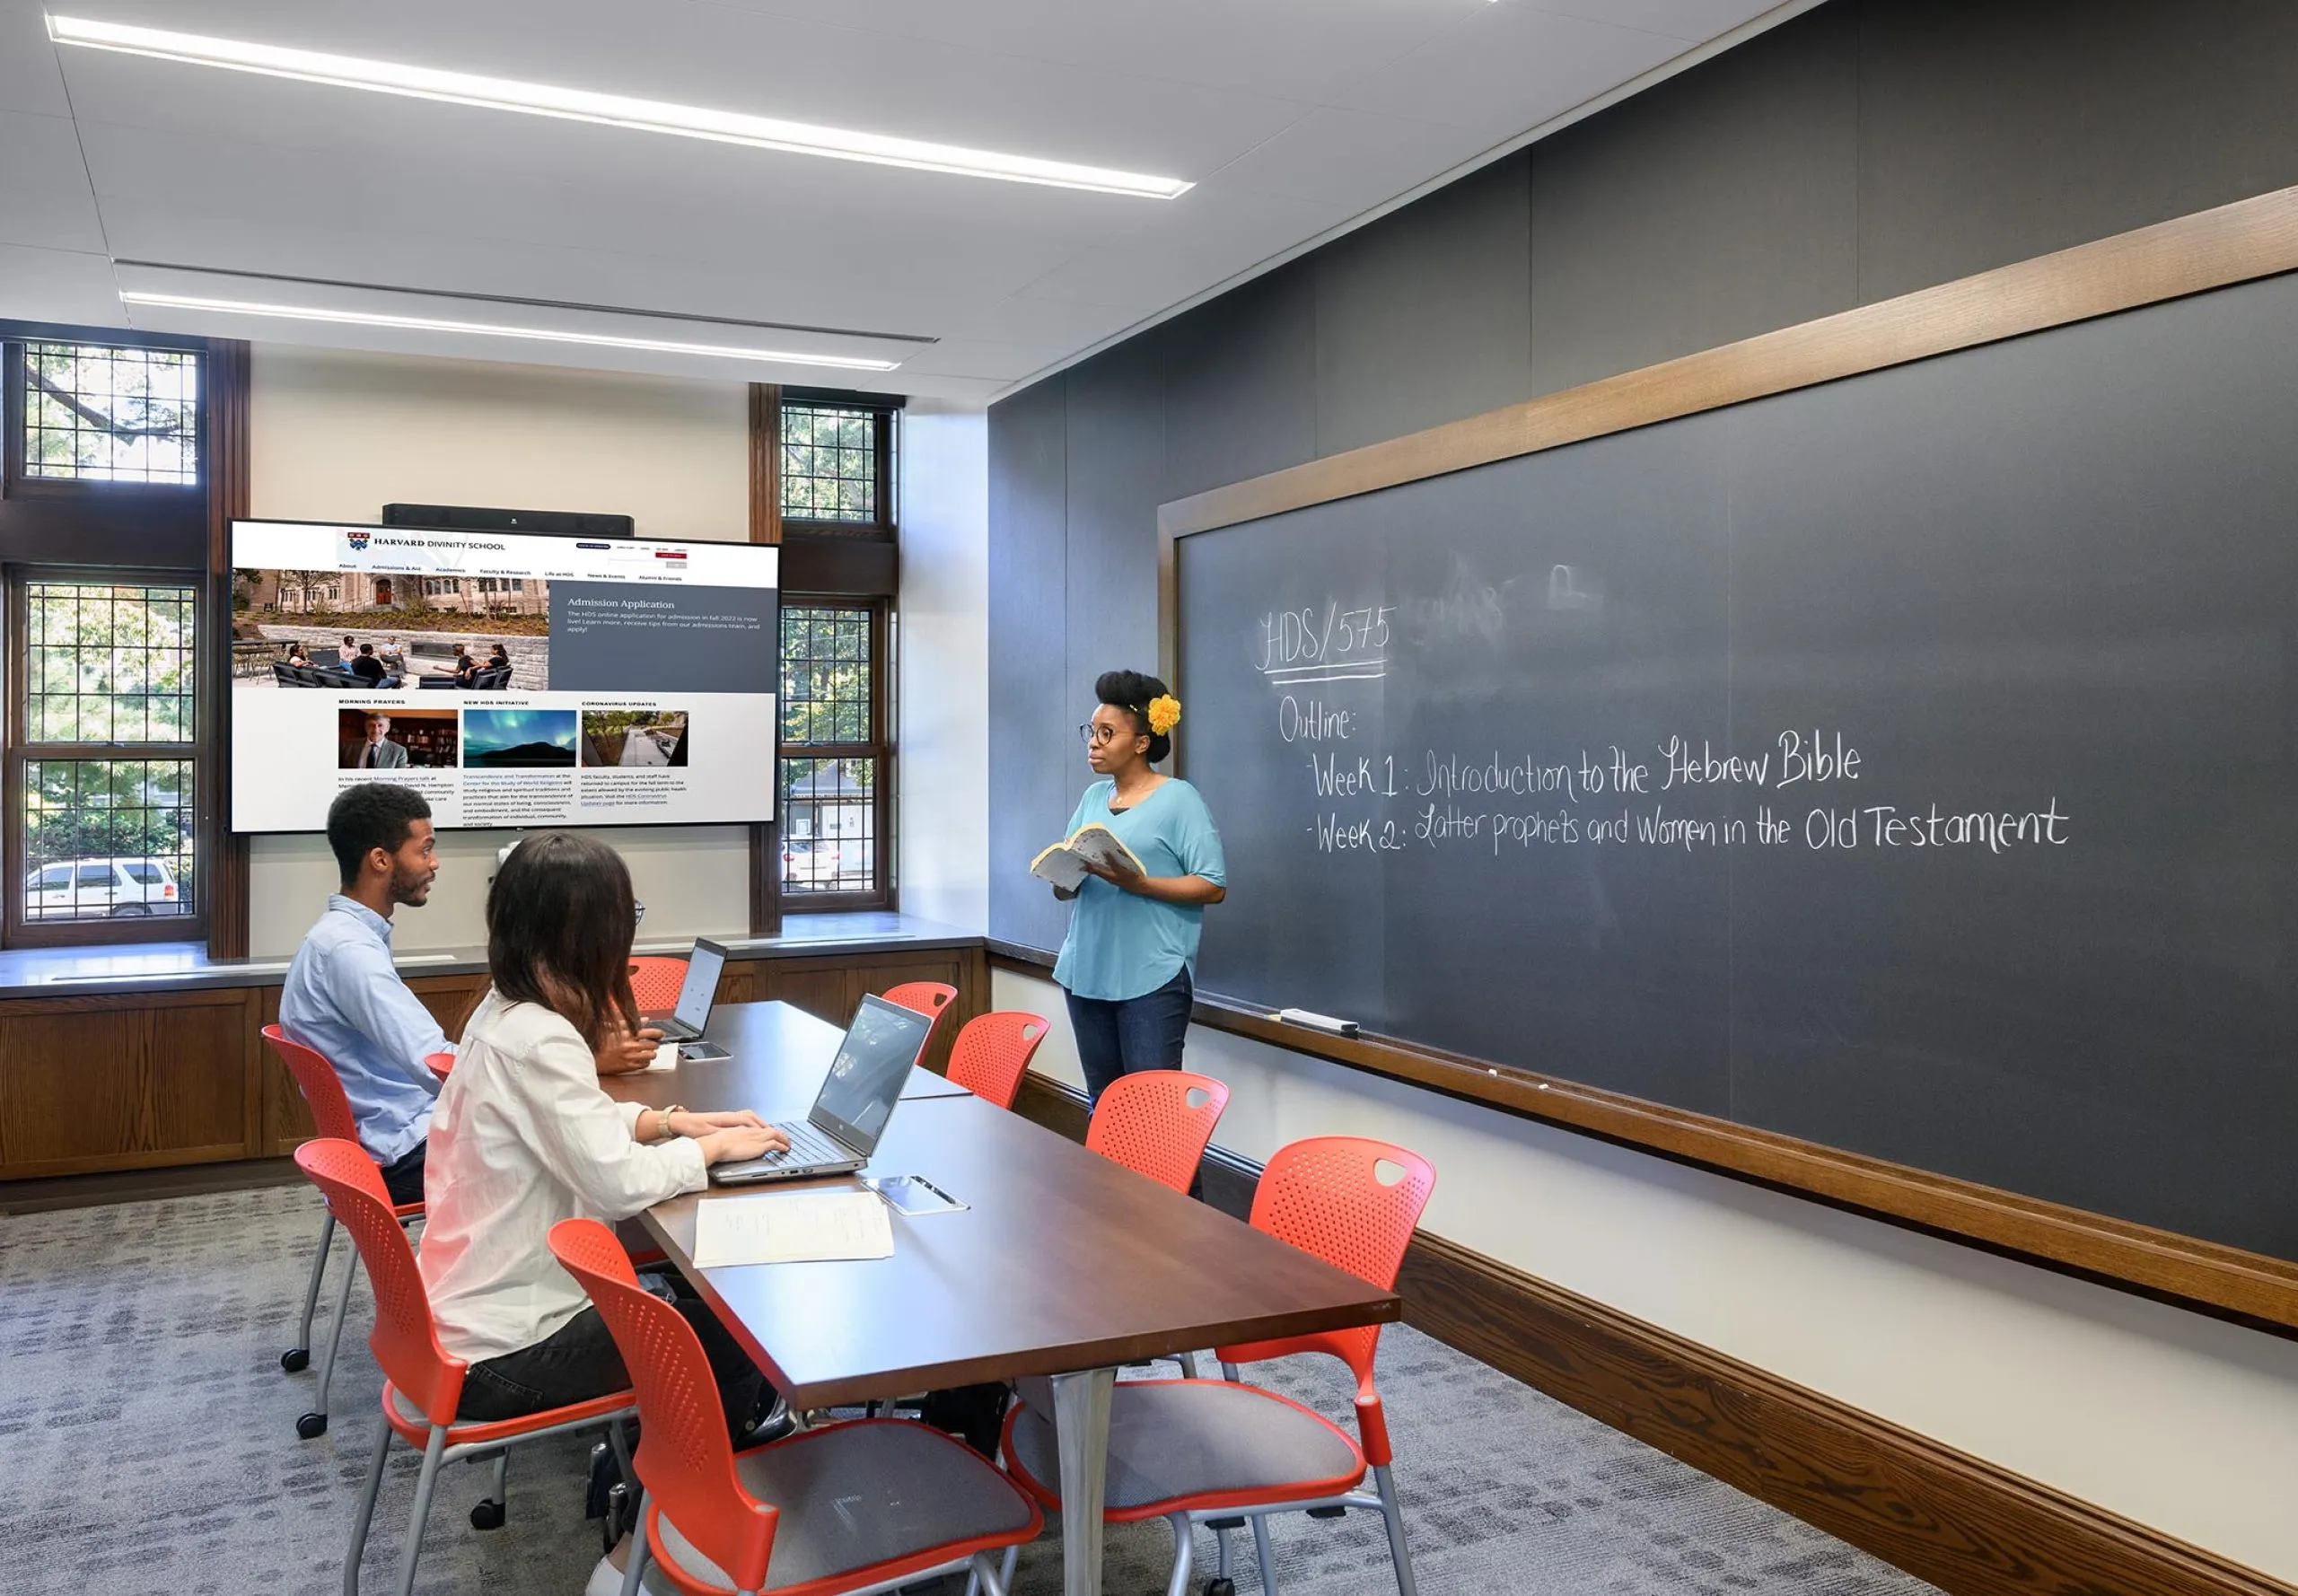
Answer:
(1310, 1020)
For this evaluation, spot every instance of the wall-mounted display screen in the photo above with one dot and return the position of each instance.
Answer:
(513, 680)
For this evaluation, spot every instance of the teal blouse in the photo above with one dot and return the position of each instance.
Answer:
(1121, 944)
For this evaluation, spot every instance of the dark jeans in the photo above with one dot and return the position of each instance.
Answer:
(404, 1179)
(580, 1362)
(1134, 1033)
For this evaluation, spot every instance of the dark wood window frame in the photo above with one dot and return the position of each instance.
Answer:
(878, 748)
(859, 560)
(132, 532)
(21, 750)
(885, 441)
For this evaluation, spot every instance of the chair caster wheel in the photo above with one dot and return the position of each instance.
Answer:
(1221, 1587)
(295, 1359)
(312, 1425)
(487, 1515)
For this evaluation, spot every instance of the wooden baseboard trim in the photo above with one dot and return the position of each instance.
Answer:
(145, 1186)
(1965, 1525)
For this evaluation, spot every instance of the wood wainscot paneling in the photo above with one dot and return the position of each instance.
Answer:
(830, 985)
(145, 1081)
(1964, 1524)
(286, 1122)
(135, 1080)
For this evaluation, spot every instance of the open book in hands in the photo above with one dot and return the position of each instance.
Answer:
(1063, 863)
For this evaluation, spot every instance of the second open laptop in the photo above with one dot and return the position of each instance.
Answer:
(857, 1099)
(697, 994)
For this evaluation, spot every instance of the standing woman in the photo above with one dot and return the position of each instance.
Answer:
(1129, 960)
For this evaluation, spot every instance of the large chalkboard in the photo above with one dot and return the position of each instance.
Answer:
(1904, 763)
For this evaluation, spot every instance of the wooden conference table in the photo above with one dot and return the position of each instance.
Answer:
(1064, 1264)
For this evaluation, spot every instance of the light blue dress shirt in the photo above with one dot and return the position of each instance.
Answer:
(1121, 944)
(344, 999)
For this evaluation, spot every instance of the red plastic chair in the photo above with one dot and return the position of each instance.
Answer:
(422, 1382)
(874, 1503)
(440, 1065)
(928, 997)
(1157, 1122)
(655, 982)
(332, 1117)
(993, 1052)
(1172, 1440)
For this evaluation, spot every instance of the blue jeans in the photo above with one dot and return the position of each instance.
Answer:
(1134, 1033)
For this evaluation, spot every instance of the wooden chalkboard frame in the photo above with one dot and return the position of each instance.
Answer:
(2214, 249)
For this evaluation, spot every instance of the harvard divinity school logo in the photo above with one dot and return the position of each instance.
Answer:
(358, 541)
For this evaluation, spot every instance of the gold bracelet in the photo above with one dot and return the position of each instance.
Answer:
(666, 1113)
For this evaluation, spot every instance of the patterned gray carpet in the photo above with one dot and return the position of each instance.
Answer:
(151, 1447)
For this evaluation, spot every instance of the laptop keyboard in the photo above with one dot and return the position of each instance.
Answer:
(807, 1145)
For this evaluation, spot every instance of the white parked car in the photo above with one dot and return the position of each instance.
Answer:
(87, 889)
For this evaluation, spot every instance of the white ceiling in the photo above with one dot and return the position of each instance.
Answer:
(1294, 118)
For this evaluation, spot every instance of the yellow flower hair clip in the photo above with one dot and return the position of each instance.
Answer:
(1165, 715)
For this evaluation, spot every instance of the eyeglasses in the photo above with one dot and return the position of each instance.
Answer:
(1097, 735)
(640, 908)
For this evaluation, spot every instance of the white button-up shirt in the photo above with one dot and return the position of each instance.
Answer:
(521, 1138)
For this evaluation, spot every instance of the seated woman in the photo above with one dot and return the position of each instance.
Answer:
(522, 1137)
(297, 656)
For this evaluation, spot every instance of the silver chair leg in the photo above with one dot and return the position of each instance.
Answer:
(1229, 1372)
(1182, 1548)
(499, 1488)
(335, 1335)
(366, 1512)
(300, 1352)
(424, 1484)
(636, 1569)
(1221, 1553)
(1260, 1548)
(1189, 1366)
(1393, 1510)
(1005, 1567)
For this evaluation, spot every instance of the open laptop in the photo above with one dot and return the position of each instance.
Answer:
(857, 1099)
(691, 1012)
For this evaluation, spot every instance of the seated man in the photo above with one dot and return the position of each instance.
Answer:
(343, 998)
(367, 667)
(393, 656)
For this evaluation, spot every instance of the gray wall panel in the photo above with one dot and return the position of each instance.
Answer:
(1117, 462)
(1240, 384)
(1427, 316)
(1865, 149)
(1028, 576)
(1993, 132)
(1725, 206)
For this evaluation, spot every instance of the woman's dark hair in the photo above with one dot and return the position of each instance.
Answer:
(561, 919)
(374, 814)
(1131, 691)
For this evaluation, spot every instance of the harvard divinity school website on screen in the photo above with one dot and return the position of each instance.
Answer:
(513, 680)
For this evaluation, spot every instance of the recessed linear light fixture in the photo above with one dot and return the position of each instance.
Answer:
(545, 335)
(612, 110)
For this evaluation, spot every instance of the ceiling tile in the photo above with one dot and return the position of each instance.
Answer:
(1224, 234)
(28, 79)
(725, 59)
(47, 201)
(1288, 49)
(58, 285)
(1693, 21)
(982, 357)
(1352, 159)
(1510, 70)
